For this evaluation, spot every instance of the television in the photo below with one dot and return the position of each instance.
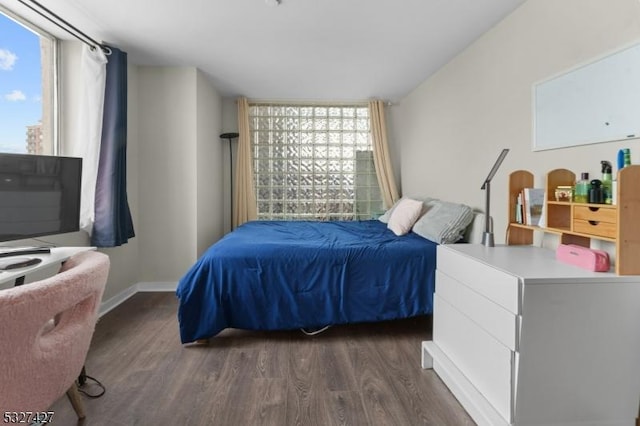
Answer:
(39, 195)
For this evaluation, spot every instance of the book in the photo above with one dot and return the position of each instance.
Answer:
(518, 217)
(533, 203)
(543, 218)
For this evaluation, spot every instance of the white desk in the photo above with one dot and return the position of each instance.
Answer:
(49, 266)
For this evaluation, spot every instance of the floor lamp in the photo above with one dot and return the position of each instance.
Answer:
(230, 137)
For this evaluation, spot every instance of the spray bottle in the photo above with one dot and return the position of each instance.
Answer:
(606, 182)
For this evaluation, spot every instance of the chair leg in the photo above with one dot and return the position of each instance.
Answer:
(76, 401)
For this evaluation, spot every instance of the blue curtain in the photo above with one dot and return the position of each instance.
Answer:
(113, 225)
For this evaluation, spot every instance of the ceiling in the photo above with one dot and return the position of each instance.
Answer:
(337, 50)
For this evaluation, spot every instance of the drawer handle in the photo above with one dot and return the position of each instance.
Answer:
(594, 222)
(594, 209)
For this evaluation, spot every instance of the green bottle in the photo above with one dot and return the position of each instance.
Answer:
(606, 181)
(581, 192)
(627, 157)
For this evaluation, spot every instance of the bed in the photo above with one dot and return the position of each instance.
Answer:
(276, 275)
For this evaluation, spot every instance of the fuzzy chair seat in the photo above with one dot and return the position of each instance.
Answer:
(45, 332)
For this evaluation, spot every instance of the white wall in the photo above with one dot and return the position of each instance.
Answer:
(179, 123)
(449, 130)
(210, 171)
(168, 176)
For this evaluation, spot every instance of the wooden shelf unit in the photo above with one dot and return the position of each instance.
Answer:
(579, 223)
(520, 234)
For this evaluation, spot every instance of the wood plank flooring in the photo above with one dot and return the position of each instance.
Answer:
(363, 374)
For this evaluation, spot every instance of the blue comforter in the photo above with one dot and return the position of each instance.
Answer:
(286, 275)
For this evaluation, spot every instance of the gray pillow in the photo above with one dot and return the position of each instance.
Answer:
(444, 222)
(385, 217)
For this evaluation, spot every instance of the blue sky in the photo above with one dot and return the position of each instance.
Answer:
(20, 84)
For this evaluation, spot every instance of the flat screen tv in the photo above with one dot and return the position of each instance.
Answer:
(39, 195)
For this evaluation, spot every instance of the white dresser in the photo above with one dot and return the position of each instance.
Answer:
(522, 339)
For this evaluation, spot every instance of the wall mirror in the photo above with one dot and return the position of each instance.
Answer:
(596, 102)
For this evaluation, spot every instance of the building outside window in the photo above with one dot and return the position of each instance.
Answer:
(313, 162)
(28, 113)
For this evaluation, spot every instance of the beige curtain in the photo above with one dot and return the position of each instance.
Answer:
(244, 199)
(381, 158)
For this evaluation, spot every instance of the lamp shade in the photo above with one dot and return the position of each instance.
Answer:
(229, 135)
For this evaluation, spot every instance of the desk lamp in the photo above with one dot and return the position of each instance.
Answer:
(487, 235)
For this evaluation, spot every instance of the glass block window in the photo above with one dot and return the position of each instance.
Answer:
(313, 162)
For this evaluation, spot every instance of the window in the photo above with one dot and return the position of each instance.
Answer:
(27, 88)
(313, 162)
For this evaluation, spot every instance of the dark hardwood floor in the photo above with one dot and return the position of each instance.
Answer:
(364, 374)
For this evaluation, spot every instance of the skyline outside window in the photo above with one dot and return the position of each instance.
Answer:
(27, 123)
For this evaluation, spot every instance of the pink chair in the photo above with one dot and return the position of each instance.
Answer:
(45, 331)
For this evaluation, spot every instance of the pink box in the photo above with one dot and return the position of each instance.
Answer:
(583, 257)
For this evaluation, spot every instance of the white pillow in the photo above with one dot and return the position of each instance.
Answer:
(385, 217)
(444, 222)
(404, 215)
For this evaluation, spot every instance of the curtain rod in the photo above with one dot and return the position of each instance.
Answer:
(67, 27)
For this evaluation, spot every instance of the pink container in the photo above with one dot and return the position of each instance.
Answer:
(586, 258)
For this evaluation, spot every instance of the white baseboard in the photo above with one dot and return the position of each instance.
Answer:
(157, 286)
(116, 300)
(119, 298)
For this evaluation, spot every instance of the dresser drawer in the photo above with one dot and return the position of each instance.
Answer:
(494, 284)
(484, 361)
(602, 229)
(601, 214)
(490, 316)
